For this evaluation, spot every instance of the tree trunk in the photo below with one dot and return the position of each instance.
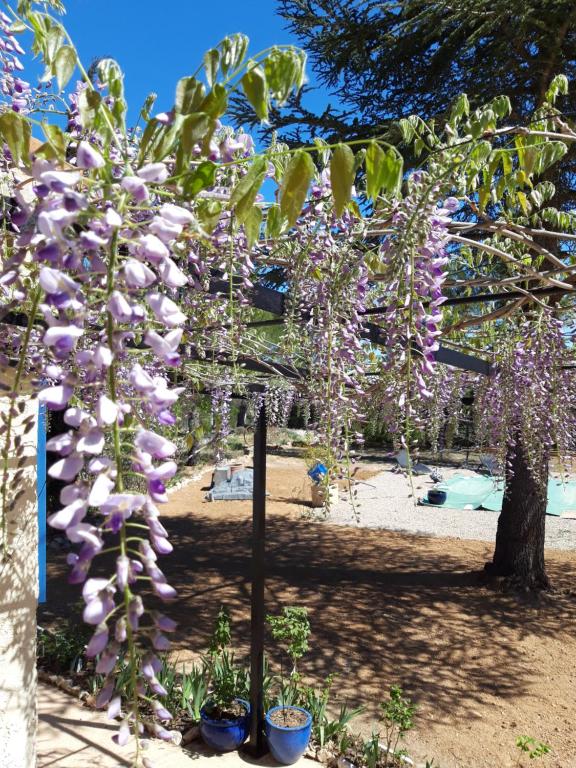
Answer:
(519, 552)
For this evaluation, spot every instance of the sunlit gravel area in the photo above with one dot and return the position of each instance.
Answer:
(386, 501)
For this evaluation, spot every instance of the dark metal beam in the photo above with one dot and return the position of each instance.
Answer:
(247, 363)
(256, 745)
(461, 360)
(485, 298)
(274, 302)
(260, 297)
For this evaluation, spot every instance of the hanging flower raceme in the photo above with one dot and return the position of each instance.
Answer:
(329, 285)
(83, 249)
(414, 258)
(529, 400)
(12, 86)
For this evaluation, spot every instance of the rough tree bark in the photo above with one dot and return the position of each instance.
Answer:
(519, 552)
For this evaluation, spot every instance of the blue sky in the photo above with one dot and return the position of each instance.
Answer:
(156, 43)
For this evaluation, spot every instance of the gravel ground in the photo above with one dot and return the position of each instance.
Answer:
(385, 501)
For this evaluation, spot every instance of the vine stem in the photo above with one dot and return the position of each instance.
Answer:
(11, 410)
(127, 594)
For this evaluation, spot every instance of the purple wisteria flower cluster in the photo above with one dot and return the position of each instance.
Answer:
(329, 281)
(12, 87)
(414, 257)
(529, 400)
(114, 267)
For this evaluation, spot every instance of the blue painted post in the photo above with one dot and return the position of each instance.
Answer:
(41, 494)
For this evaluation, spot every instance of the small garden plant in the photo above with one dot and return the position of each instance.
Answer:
(397, 716)
(531, 747)
(214, 684)
(226, 681)
(62, 650)
(291, 630)
(381, 750)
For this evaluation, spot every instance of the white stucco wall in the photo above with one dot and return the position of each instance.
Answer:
(18, 599)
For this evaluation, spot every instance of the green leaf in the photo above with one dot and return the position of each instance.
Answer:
(244, 193)
(558, 86)
(147, 106)
(323, 150)
(460, 108)
(506, 161)
(201, 178)
(190, 94)
(64, 65)
(216, 102)
(407, 130)
(233, 50)
(88, 103)
(158, 140)
(15, 130)
(17, 27)
(148, 139)
(297, 177)
(208, 212)
(284, 71)
(274, 221)
(374, 169)
(55, 146)
(383, 170)
(252, 224)
(256, 91)
(549, 154)
(393, 168)
(166, 139)
(342, 176)
(111, 75)
(522, 199)
(53, 40)
(484, 196)
(211, 62)
(194, 129)
(359, 159)
(501, 106)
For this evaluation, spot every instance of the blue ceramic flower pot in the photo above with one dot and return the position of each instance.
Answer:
(225, 735)
(288, 743)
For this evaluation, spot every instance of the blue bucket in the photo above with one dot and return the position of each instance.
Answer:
(317, 472)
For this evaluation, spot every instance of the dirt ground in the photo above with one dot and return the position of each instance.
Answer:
(385, 608)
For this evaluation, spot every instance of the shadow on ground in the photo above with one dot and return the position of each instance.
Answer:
(385, 608)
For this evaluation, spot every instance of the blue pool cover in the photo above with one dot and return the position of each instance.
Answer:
(476, 491)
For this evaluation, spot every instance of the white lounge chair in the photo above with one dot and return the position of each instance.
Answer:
(404, 462)
(490, 464)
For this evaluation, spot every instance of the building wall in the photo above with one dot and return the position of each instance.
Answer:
(18, 598)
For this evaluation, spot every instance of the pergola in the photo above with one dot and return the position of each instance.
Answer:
(528, 285)
(274, 302)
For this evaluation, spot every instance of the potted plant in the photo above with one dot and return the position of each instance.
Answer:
(288, 726)
(225, 716)
(324, 491)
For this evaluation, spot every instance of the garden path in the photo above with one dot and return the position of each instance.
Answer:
(72, 736)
